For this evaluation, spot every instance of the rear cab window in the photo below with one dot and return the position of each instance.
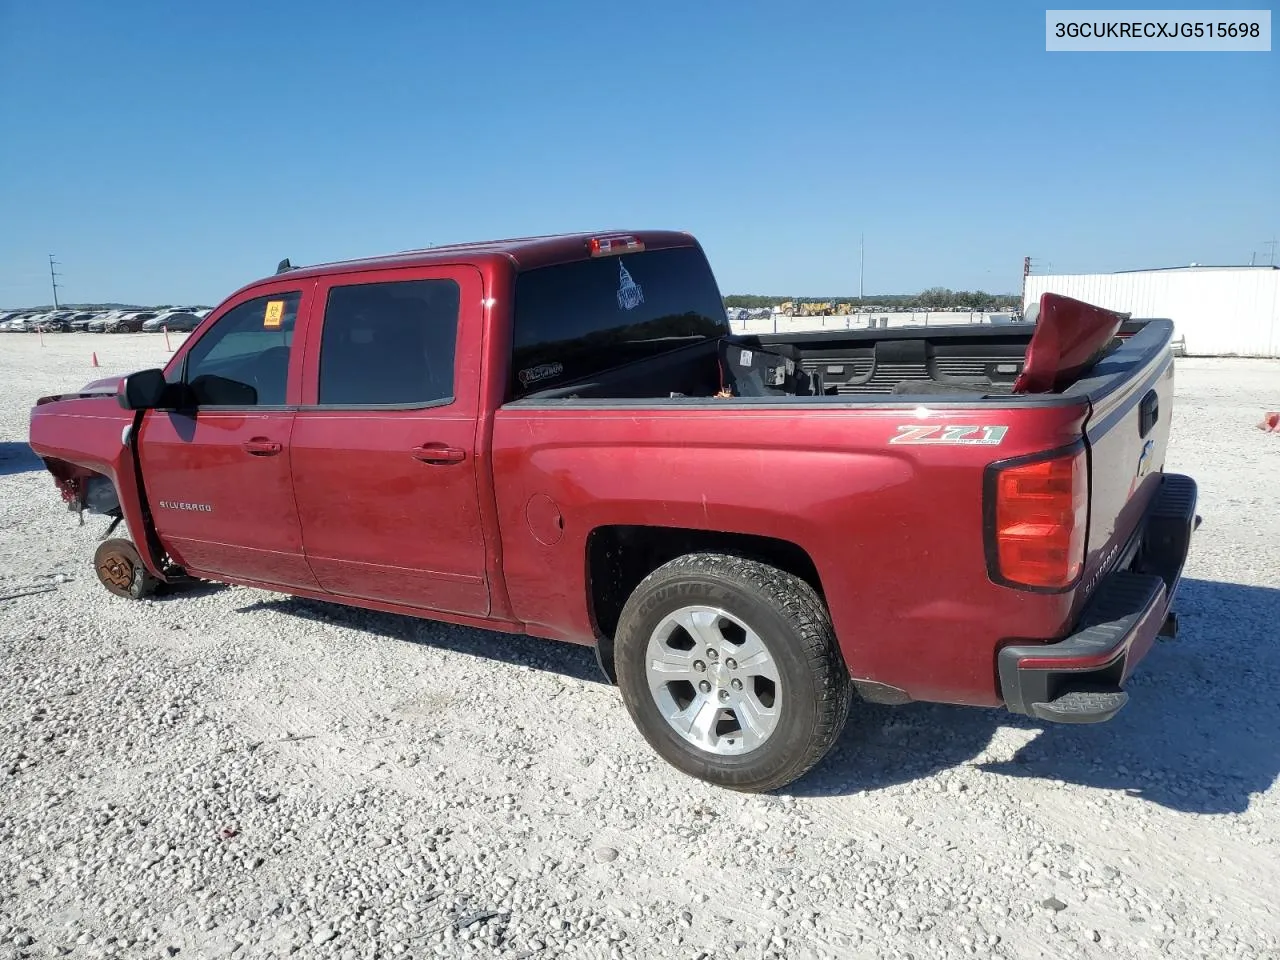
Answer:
(579, 319)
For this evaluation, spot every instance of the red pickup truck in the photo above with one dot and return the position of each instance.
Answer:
(561, 436)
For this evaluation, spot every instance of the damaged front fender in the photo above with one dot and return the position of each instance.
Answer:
(85, 442)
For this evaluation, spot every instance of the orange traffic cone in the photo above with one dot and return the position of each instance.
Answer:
(95, 359)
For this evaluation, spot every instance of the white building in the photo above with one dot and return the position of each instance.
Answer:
(1221, 311)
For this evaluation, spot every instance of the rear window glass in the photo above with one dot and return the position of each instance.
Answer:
(577, 319)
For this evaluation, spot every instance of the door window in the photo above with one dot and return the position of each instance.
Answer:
(244, 358)
(389, 344)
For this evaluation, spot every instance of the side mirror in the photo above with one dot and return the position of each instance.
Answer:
(218, 391)
(144, 390)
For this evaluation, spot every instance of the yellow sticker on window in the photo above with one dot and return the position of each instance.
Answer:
(275, 310)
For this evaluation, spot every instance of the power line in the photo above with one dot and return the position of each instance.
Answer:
(53, 276)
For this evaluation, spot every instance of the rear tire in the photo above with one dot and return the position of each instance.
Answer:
(755, 725)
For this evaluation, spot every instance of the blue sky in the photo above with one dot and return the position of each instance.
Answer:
(171, 152)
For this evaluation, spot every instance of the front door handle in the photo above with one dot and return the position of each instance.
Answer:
(436, 453)
(262, 447)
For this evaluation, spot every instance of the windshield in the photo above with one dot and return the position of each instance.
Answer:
(577, 319)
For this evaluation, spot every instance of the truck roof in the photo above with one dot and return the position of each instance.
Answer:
(524, 252)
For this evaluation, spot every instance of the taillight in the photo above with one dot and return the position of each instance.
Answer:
(1038, 513)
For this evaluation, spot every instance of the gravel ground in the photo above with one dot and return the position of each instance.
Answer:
(230, 772)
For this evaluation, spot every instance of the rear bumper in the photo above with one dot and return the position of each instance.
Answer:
(1079, 679)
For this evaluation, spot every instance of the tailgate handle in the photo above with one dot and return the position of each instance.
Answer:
(1148, 413)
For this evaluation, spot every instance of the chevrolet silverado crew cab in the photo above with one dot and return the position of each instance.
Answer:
(562, 437)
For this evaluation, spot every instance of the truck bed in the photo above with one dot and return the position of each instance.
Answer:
(877, 487)
(957, 364)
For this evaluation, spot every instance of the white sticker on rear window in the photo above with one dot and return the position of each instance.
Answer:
(744, 358)
(630, 295)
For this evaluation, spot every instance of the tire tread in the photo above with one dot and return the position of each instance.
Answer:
(798, 603)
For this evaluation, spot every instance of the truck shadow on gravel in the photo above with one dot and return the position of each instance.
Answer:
(566, 659)
(1199, 733)
(17, 457)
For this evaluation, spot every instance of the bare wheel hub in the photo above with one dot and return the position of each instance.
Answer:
(117, 564)
(714, 680)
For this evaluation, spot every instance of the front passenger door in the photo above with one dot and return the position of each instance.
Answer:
(217, 477)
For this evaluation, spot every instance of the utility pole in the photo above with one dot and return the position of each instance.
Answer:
(862, 260)
(53, 276)
(1271, 257)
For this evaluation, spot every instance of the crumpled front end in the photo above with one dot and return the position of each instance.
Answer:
(84, 440)
(81, 437)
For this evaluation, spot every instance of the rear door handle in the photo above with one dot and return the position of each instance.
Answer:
(262, 447)
(436, 453)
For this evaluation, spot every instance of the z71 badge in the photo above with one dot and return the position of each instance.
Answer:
(981, 436)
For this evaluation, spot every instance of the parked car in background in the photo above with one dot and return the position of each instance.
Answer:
(129, 323)
(31, 319)
(175, 321)
(99, 323)
(80, 323)
(79, 318)
(55, 322)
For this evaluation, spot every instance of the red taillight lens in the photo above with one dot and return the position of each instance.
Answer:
(1041, 513)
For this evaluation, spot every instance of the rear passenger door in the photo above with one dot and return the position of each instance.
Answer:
(383, 447)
